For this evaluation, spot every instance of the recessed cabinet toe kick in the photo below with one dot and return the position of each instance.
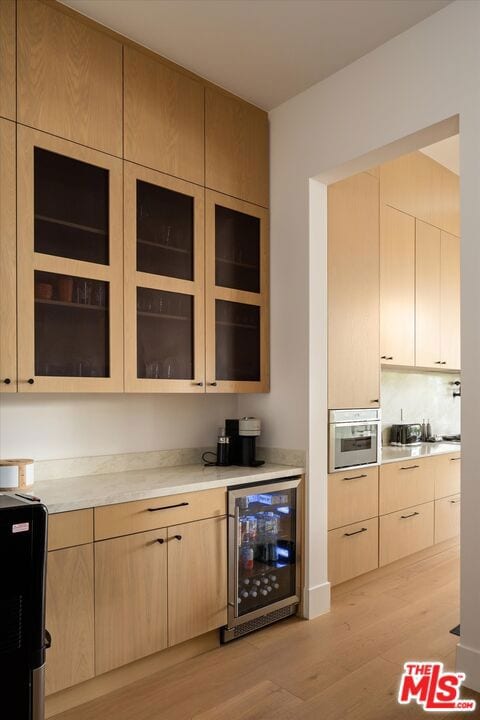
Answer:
(263, 555)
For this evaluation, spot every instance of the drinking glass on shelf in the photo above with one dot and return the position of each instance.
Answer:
(83, 292)
(99, 294)
(169, 367)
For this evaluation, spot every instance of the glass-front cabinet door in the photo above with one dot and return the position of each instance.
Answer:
(164, 283)
(70, 294)
(237, 295)
(264, 536)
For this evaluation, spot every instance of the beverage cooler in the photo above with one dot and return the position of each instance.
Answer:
(263, 555)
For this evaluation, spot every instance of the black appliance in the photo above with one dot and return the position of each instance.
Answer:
(263, 555)
(406, 434)
(243, 435)
(23, 542)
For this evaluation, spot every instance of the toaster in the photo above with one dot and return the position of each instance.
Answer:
(406, 434)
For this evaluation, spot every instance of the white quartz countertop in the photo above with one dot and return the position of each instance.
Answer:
(76, 493)
(392, 453)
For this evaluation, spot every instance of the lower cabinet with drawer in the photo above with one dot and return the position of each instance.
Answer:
(352, 550)
(405, 532)
(352, 495)
(447, 518)
(447, 470)
(404, 484)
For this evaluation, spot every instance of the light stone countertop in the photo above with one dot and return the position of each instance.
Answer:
(77, 493)
(393, 453)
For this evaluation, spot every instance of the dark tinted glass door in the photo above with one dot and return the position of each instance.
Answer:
(71, 208)
(165, 342)
(237, 346)
(71, 326)
(266, 548)
(237, 250)
(165, 231)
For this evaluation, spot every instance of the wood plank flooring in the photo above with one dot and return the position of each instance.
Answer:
(345, 665)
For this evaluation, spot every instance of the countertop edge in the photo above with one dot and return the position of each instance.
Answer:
(54, 508)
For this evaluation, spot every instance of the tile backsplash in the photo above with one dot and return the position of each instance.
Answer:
(410, 397)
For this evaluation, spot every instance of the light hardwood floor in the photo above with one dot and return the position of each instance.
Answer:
(342, 666)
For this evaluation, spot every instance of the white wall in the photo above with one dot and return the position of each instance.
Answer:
(51, 426)
(417, 80)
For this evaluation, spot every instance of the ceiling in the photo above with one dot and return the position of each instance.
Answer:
(446, 152)
(265, 51)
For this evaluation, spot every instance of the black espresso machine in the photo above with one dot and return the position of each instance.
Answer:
(23, 543)
(243, 434)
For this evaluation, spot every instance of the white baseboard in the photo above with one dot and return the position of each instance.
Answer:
(317, 601)
(468, 662)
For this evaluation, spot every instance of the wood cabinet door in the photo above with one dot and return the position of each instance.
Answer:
(236, 296)
(236, 148)
(130, 598)
(69, 266)
(7, 60)
(8, 263)
(352, 496)
(405, 532)
(403, 484)
(69, 78)
(447, 472)
(352, 550)
(397, 287)
(69, 617)
(450, 301)
(427, 297)
(447, 518)
(164, 117)
(353, 293)
(164, 283)
(197, 578)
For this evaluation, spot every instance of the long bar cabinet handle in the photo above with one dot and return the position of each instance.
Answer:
(410, 467)
(355, 477)
(459, 458)
(405, 517)
(168, 507)
(357, 532)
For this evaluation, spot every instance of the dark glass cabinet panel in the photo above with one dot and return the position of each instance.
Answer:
(237, 250)
(165, 231)
(71, 206)
(267, 553)
(237, 354)
(71, 326)
(165, 342)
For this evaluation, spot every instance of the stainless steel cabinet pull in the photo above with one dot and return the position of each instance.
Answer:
(355, 477)
(356, 532)
(456, 458)
(167, 507)
(410, 467)
(404, 517)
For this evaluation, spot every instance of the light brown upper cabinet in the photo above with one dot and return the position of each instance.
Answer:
(7, 60)
(423, 188)
(8, 263)
(353, 293)
(69, 78)
(450, 300)
(70, 266)
(397, 287)
(164, 117)
(164, 283)
(236, 296)
(437, 298)
(236, 149)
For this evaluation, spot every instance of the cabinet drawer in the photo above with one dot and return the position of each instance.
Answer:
(352, 496)
(352, 550)
(70, 528)
(405, 532)
(447, 518)
(141, 515)
(447, 469)
(404, 484)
